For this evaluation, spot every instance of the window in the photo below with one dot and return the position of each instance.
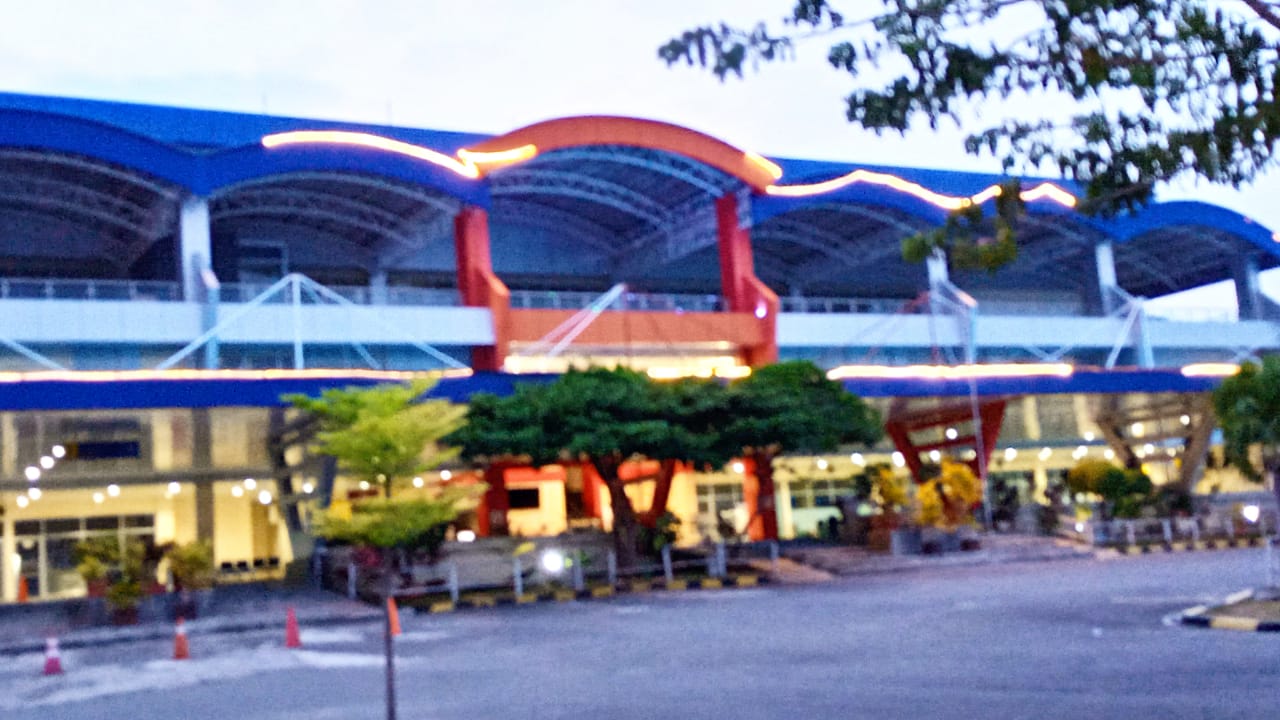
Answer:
(523, 498)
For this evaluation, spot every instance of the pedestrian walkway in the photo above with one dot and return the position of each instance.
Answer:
(843, 560)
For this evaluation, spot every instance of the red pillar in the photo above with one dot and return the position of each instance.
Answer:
(759, 496)
(491, 515)
(479, 286)
(591, 483)
(743, 291)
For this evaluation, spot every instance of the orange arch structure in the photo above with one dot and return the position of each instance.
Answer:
(754, 170)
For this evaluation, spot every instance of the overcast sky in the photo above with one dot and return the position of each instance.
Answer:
(476, 65)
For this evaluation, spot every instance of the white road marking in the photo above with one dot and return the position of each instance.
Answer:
(82, 684)
(330, 637)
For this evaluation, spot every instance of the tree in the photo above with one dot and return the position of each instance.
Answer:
(382, 434)
(791, 407)
(604, 418)
(1248, 408)
(1158, 89)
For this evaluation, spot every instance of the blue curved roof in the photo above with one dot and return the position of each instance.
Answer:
(206, 151)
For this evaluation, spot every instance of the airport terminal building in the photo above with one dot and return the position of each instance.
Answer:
(166, 274)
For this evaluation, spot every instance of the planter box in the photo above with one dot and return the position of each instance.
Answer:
(905, 541)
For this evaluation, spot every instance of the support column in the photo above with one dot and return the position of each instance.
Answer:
(1249, 297)
(1031, 426)
(1105, 262)
(8, 569)
(194, 247)
(479, 286)
(8, 445)
(742, 290)
(378, 287)
(202, 457)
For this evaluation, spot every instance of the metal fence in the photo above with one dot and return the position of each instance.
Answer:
(561, 563)
(1125, 533)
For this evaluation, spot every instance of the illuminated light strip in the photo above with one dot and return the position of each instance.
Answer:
(946, 202)
(1210, 370)
(377, 142)
(1043, 191)
(133, 375)
(731, 372)
(499, 157)
(948, 372)
(1049, 191)
(765, 164)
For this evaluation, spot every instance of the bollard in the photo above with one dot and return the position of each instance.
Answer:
(453, 582)
(1129, 533)
(579, 582)
(517, 575)
(666, 565)
(723, 557)
(1195, 530)
(612, 562)
(713, 564)
(773, 554)
(1271, 561)
(1166, 526)
(351, 580)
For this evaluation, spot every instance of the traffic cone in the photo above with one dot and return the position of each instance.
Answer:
(52, 660)
(24, 591)
(181, 650)
(292, 638)
(393, 616)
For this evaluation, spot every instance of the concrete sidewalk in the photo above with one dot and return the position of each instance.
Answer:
(24, 628)
(844, 561)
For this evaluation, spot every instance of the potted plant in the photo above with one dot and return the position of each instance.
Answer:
(124, 596)
(945, 505)
(193, 577)
(94, 572)
(889, 529)
(95, 559)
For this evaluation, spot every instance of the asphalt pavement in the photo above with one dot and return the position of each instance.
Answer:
(1079, 638)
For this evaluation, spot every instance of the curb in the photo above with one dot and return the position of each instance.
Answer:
(1200, 546)
(631, 587)
(1199, 616)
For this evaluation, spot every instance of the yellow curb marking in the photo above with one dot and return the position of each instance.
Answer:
(481, 601)
(441, 607)
(1234, 623)
(604, 591)
(526, 599)
(711, 583)
(678, 585)
(565, 596)
(747, 581)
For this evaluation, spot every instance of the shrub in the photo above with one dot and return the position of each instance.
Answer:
(192, 565)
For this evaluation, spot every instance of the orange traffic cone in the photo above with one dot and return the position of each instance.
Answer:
(292, 638)
(52, 660)
(24, 591)
(181, 650)
(393, 616)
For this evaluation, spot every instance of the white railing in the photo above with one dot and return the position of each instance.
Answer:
(827, 305)
(577, 300)
(357, 294)
(94, 289)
